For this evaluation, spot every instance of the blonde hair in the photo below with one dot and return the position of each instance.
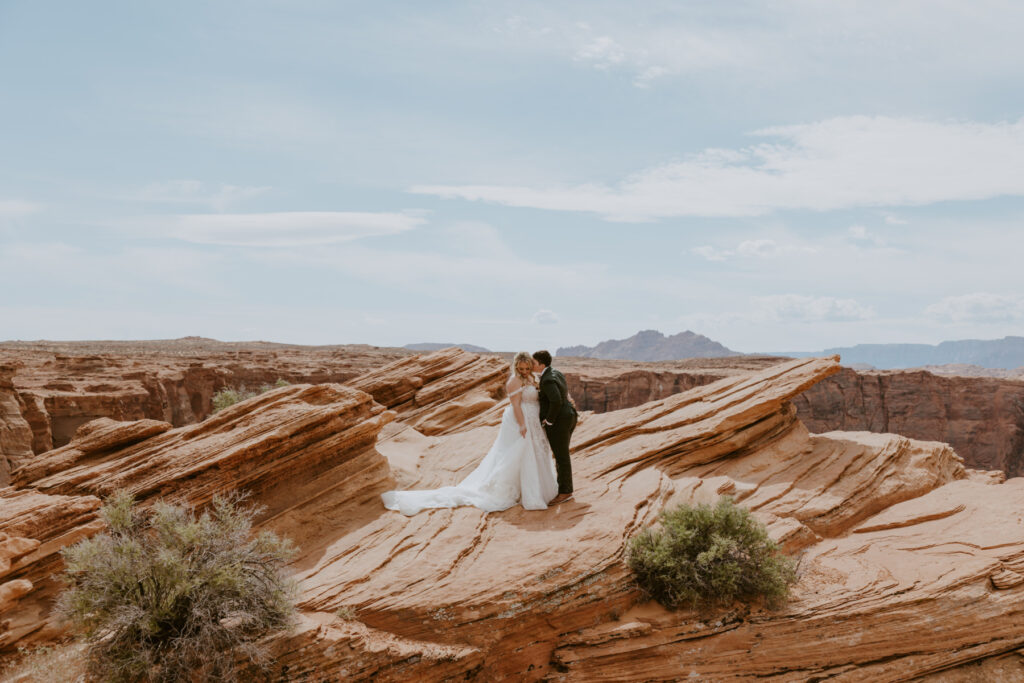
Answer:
(527, 378)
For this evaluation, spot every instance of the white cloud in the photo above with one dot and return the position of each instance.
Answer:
(979, 307)
(792, 40)
(119, 273)
(446, 274)
(544, 317)
(285, 229)
(800, 308)
(755, 248)
(836, 163)
(218, 198)
(601, 51)
(711, 253)
(15, 208)
(474, 237)
(860, 233)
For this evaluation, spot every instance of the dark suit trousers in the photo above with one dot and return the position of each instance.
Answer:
(558, 436)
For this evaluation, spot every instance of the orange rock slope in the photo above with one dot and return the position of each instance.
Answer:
(909, 563)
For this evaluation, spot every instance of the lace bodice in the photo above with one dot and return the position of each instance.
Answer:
(529, 394)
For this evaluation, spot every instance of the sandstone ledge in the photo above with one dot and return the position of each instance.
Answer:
(909, 564)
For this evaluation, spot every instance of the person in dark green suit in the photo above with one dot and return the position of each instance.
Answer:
(558, 416)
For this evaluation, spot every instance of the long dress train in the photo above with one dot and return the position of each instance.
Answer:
(515, 470)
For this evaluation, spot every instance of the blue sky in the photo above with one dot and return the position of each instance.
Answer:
(776, 175)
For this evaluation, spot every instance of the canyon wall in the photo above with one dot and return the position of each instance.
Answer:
(48, 390)
(910, 564)
(53, 392)
(981, 417)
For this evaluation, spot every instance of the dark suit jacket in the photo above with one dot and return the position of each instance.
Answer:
(554, 397)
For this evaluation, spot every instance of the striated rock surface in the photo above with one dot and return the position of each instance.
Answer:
(58, 386)
(287, 446)
(910, 564)
(606, 385)
(15, 433)
(438, 392)
(982, 418)
(895, 535)
(53, 388)
(33, 528)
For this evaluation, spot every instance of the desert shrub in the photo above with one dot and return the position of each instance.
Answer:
(167, 593)
(229, 396)
(708, 555)
(345, 613)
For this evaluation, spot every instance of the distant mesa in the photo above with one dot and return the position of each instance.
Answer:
(651, 345)
(1005, 353)
(430, 346)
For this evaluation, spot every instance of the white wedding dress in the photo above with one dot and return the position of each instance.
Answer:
(515, 470)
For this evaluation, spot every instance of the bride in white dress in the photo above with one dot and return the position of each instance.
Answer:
(517, 469)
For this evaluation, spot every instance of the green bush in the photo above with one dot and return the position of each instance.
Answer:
(229, 397)
(710, 555)
(166, 594)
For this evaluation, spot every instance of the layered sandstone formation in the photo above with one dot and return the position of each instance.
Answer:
(910, 564)
(49, 389)
(606, 385)
(981, 417)
(15, 433)
(288, 445)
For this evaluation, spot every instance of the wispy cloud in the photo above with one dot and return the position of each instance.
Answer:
(16, 208)
(833, 164)
(121, 273)
(756, 248)
(793, 39)
(544, 317)
(801, 308)
(192, 192)
(283, 229)
(979, 307)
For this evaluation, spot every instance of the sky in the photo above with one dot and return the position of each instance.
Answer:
(779, 176)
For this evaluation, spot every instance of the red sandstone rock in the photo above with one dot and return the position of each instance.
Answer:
(33, 528)
(15, 434)
(981, 418)
(909, 564)
(59, 386)
(63, 385)
(438, 392)
(286, 447)
(546, 594)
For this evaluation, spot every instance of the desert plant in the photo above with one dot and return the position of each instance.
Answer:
(345, 613)
(167, 593)
(229, 396)
(708, 555)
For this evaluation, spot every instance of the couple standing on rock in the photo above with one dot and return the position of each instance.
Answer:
(518, 468)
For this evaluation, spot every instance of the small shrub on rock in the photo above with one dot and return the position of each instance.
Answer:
(166, 594)
(710, 555)
(229, 397)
